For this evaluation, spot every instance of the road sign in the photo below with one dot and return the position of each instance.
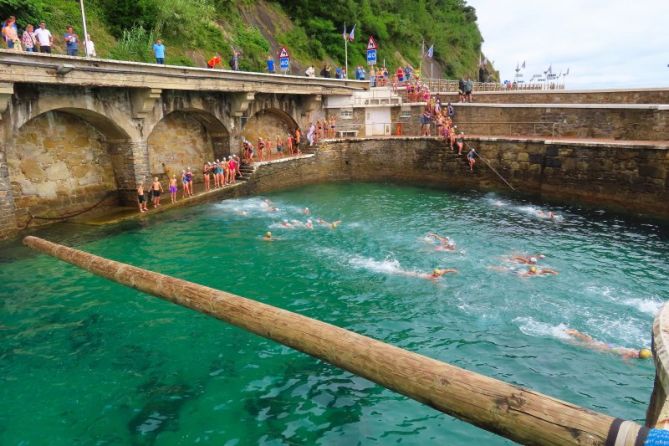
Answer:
(371, 45)
(371, 57)
(284, 60)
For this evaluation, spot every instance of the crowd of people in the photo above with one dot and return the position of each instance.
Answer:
(224, 172)
(41, 40)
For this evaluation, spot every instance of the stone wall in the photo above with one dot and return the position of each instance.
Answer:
(268, 125)
(626, 178)
(639, 96)
(179, 141)
(591, 122)
(58, 163)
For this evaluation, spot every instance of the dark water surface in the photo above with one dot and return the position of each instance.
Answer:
(85, 361)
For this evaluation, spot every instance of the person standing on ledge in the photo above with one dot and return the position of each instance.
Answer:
(156, 190)
(44, 38)
(270, 64)
(159, 52)
(90, 46)
(71, 41)
(28, 40)
(141, 199)
(234, 60)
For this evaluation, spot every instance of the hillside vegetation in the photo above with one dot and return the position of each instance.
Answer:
(193, 30)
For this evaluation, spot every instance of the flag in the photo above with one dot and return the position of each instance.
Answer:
(430, 52)
(351, 37)
(567, 72)
(523, 65)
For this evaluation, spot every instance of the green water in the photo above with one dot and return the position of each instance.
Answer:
(84, 361)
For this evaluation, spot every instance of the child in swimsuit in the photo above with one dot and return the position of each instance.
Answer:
(156, 189)
(141, 200)
(173, 189)
(189, 177)
(279, 146)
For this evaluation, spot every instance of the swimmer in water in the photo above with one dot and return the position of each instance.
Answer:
(445, 243)
(306, 211)
(268, 237)
(438, 272)
(549, 215)
(332, 225)
(309, 224)
(626, 353)
(526, 260)
(242, 213)
(533, 271)
(286, 224)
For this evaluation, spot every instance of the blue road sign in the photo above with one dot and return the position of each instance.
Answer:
(284, 63)
(371, 57)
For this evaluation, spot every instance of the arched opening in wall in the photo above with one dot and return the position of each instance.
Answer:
(59, 163)
(186, 138)
(269, 124)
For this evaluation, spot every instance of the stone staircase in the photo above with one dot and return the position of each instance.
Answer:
(246, 170)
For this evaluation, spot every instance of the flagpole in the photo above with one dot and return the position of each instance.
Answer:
(83, 19)
(422, 54)
(345, 51)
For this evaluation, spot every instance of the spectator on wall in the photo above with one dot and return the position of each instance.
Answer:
(326, 72)
(71, 41)
(28, 40)
(270, 64)
(90, 46)
(159, 52)
(44, 38)
(10, 34)
(234, 60)
(469, 87)
(310, 72)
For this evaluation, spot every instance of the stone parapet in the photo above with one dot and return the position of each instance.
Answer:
(66, 70)
(614, 96)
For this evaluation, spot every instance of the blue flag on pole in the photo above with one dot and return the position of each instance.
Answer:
(430, 52)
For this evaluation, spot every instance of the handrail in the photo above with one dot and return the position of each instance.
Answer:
(519, 414)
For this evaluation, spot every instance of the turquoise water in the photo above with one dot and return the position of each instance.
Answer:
(85, 361)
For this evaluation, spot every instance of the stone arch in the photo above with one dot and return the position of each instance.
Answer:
(64, 160)
(186, 138)
(269, 123)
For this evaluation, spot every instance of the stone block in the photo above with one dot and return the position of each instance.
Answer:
(536, 158)
(554, 162)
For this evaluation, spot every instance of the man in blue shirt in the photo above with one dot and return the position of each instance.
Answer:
(159, 52)
(71, 42)
(270, 64)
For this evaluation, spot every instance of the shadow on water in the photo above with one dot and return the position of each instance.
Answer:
(164, 402)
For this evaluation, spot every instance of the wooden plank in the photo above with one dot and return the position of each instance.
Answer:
(516, 413)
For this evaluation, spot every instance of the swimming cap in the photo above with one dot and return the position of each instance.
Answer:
(533, 260)
(533, 269)
(268, 234)
(436, 271)
(645, 353)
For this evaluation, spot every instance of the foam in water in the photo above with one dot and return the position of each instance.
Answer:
(648, 306)
(531, 327)
(387, 266)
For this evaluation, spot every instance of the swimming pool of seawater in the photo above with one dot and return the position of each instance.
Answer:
(86, 361)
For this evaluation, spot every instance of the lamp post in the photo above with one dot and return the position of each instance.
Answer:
(83, 19)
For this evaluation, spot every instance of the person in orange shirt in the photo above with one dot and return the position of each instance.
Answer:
(214, 61)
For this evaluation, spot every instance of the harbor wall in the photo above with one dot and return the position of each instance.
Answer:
(632, 179)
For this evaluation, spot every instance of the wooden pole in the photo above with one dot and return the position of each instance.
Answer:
(516, 413)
